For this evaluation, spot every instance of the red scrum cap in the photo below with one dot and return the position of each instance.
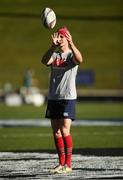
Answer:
(63, 31)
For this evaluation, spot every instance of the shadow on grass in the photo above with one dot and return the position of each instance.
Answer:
(82, 151)
(35, 16)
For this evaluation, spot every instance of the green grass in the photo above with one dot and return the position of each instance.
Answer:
(24, 40)
(75, 7)
(95, 137)
(36, 139)
(83, 111)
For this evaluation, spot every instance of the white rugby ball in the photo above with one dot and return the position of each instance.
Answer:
(48, 18)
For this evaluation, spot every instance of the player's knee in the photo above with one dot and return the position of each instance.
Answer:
(57, 134)
(65, 131)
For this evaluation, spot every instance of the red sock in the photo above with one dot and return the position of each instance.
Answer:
(68, 148)
(60, 149)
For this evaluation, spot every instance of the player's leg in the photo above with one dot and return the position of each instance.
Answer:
(59, 143)
(65, 129)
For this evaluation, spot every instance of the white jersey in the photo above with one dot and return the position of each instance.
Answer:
(63, 77)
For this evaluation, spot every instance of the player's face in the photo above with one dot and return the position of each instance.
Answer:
(62, 40)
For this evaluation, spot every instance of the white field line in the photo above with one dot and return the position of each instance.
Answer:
(46, 122)
(25, 166)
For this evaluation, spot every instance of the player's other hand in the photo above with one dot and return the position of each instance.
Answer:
(55, 39)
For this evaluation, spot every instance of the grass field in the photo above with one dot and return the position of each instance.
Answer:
(100, 110)
(96, 28)
(36, 139)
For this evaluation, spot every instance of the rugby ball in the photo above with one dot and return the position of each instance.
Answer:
(48, 18)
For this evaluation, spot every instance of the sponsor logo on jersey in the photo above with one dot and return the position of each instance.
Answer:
(59, 62)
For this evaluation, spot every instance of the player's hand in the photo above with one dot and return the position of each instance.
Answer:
(69, 38)
(55, 39)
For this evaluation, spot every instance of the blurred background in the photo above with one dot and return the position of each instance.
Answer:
(97, 30)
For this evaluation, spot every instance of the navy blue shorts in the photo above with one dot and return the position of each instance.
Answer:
(59, 109)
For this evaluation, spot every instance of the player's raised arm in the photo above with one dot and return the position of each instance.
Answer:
(47, 57)
(77, 56)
